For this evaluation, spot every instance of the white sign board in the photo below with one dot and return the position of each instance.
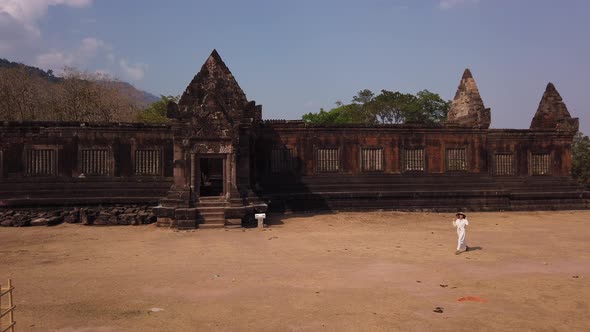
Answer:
(260, 215)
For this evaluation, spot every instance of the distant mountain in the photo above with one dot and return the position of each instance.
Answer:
(145, 98)
(33, 70)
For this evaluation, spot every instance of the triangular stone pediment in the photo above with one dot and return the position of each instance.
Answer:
(211, 119)
(214, 79)
(552, 112)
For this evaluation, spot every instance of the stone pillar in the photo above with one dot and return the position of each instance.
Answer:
(234, 193)
(176, 209)
(180, 192)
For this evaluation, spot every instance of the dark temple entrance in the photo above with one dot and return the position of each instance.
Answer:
(211, 179)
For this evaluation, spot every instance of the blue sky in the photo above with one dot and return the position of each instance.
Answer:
(294, 57)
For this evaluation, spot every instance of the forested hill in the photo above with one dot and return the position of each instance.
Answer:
(31, 70)
(146, 98)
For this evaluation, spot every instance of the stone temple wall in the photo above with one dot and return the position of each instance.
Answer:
(81, 163)
(118, 173)
(393, 143)
(406, 167)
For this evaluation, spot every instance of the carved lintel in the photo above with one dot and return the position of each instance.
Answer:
(212, 147)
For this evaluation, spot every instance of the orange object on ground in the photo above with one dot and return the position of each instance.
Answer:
(471, 299)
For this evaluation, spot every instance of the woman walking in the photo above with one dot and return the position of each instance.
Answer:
(461, 224)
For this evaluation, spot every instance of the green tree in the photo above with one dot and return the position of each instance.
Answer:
(393, 107)
(349, 113)
(428, 108)
(363, 97)
(388, 107)
(581, 159)
(156, 112)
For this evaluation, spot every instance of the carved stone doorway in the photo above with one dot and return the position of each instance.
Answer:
(211, 180)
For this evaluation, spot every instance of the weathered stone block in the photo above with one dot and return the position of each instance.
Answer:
(164, 212)
(151, 218)
(185, 214)
(101, 221)
(55, 220)
(113, 220)
(73, 217)
(141, 217)
(21, 221)
(164, 222)
(6, 222)
(186, 224)
(39, 222)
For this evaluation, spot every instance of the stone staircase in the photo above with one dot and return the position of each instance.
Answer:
(211, 212)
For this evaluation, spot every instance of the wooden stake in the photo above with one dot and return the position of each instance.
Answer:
(1, 293)
(9, 310)
(10, 306)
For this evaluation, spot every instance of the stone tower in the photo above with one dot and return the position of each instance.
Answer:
(467, 108)
(213, 125)
(553, 114)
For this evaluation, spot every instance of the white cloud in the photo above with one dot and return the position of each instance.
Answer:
(29, 11)
(80, 56)
(91, 51)
(19, 20)
(448, 4)
(54, 60)
(89, 47)
(20, 34)
(14, 35)
(135, 71)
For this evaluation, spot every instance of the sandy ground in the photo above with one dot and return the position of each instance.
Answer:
(377, 271)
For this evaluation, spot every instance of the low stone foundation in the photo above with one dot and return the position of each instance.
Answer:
(93, 215)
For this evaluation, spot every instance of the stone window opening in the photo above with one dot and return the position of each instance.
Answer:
(456, 160)
(148, 162)
(95, 161)
(372, 159)
(413, 160)
(540, 164)
(41, 161)
(503, 164)
(282, 160)
(327, 160)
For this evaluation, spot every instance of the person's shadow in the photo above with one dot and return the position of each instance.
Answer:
(475, 248)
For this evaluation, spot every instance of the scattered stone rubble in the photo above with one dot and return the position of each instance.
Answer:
(114, 215)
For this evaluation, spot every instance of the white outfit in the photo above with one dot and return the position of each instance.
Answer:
(460, 224)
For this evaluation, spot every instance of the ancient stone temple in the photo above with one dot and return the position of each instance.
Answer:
(213, 128)
(216, 162)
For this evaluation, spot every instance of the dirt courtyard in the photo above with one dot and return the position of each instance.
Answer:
(375, 271)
